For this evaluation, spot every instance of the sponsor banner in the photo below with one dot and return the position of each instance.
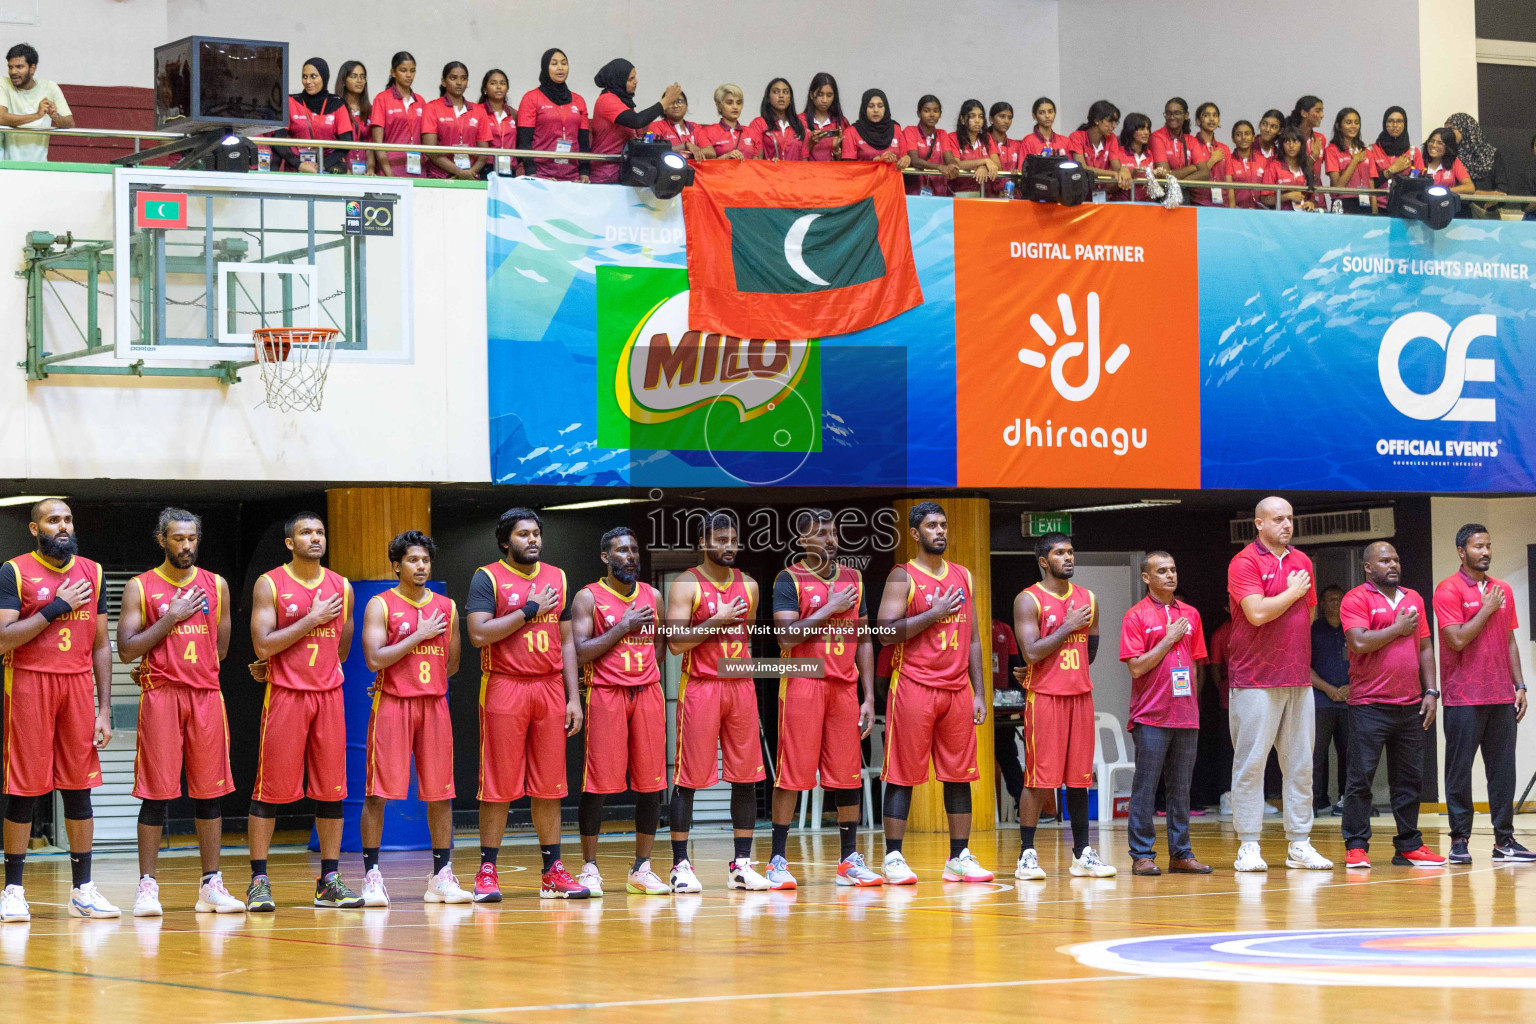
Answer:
(595, 376)
(1077, 335)
(1345, 353)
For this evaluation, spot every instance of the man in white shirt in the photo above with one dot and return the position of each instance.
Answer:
(27, 101)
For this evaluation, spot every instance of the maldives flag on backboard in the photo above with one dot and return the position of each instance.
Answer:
(797, 250)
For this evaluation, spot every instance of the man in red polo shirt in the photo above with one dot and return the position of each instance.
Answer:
(1391, 704)
(1484, 693)
(1272, 598)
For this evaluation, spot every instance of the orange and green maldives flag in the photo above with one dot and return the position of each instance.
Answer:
(797, 250)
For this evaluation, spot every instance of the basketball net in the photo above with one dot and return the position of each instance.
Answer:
(294, 362)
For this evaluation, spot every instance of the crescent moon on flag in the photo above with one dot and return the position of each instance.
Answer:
(794, 244)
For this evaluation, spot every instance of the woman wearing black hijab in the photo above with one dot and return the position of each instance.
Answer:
(315, 113)
(874, 136)
(614, 118)
(553, 118)
(1394, 152)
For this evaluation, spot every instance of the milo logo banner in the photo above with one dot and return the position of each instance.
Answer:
(596, 378)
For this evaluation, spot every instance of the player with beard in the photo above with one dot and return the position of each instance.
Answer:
(820, 613)
(613, 625)
(1058, 632)
(53, 634)
(928, 612)
(520, 618)
(717, 601)
(174, 621)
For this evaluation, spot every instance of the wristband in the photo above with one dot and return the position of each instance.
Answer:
(53, 609)
(1431, 693)
(530, 609)
(1521, 687)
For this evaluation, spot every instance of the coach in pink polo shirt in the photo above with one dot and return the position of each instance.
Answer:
(1273, 599)
(1392, 701)
(1484, 693)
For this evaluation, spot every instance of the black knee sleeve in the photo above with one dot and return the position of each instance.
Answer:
(77, 804)
(682, 809)
(846, 797)
(152, 813)
(207, 810)
(898, 801)
(743, 805)
(957, 798)
(21, 809)
(262, 809)
(328, 808)
(647, 813)
(589, 815)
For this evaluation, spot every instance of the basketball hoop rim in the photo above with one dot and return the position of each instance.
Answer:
(276, 343)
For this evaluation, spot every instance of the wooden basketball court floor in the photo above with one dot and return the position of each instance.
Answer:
(934, 952)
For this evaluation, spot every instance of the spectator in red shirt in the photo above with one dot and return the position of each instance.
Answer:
(1209, 152)
(395, 117)
(823, 117)
(1441, 163)
(779, 130)
(1162, 644)
(676, 129)
(1010, 152)
(352, 87)
(614, 118)
(1043, 140)
(1307, 117)
(926, 144)
(1135, 156)
(552, 118)
(874, 136)
(728, 139)
(1348, 160)
(452, 120)
(1095, 144)
(1392, 699)
(500, 120)
(972, 151)
(1242, 164)
(1272, 599)
(1292, 173)
(1484, 693)
(1393, 153)
(315, 113)
(1267, 145)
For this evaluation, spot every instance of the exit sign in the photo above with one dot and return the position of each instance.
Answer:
(1038, 524)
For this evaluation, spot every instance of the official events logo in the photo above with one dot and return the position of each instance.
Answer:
(1073, 349)
(1446, 401)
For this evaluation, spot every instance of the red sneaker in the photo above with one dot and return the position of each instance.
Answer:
(1423, 857)
(487, 885)
(1357, 859)
(559, 885)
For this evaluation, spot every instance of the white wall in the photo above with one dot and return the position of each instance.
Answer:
(1447, 61)
(1241, 58)
(93, 42)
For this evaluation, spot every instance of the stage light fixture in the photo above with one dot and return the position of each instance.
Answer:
(1056, 179)
(1420, 199)
(656, 166)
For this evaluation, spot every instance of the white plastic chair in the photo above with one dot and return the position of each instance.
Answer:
(811, 803)
(1104, 771)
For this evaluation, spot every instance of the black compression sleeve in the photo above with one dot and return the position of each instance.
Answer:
(637, 119)
(10, 597)
(482, 594)
(525, 141)
(785, 597)
(584, 143)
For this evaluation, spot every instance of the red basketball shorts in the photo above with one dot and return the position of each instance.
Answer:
(819, 733)
(718, 714)
(1058, 741)
(50, 732)
(522, 738)
(303, 746)
(182, 727)
(626, 734)
(926, 723)
(399, 727)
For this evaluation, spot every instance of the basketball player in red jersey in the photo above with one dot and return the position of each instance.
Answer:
(717, 601)
(411, 639)
(1058, 632)
(301, 627)
(53, 633)
(613, 623)
(175, 617)
(820, 614)
(520, 618)
(928, 612)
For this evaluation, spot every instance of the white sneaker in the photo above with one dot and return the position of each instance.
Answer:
(1248, 858)
(897, 872)
(85, 901)
(965, 868)
(779, 876)
(13, 905)
(591, 878)
(1029, 868)
(374, 893)
(146, 902)
(683, 879)
(852, 871)
(442, 887)
(1225, 805)
(1301, 854)
(1270, 810)
(213, 898)
(740, 874)
(1091, 865)
(644, 882)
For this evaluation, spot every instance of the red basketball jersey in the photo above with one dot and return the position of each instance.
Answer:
(939, 656)
(1066, 672)
(314, 662)
(534, 650)
(838, 641)
(701, 661)
(631, 661)
(64, 646)
(189, 654)
(423, 672)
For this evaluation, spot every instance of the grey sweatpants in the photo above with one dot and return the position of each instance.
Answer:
(1279, 717)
